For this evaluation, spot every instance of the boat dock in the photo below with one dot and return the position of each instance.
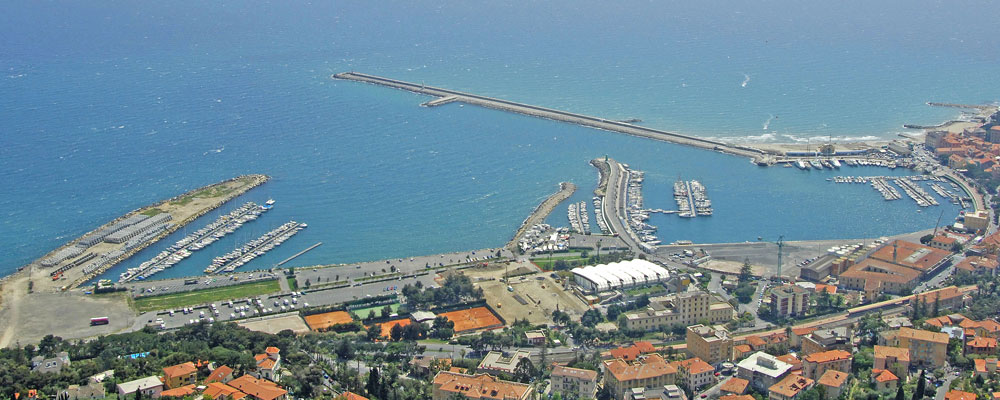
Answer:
(197, 240)
(296, 255)
(439, 102)
(540, 212)
(910, 186)
(448, 96)
(255, 248)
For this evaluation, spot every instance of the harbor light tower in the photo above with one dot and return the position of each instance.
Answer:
(781, 245)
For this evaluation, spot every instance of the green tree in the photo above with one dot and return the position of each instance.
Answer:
(396, 333)
(591, 318)
(374, 382)
(373, 332)
(525, 370)
(921, 386)
(899, 393)
(746, 271)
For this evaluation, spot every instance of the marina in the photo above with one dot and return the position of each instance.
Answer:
(910, 186)
(579, 219)
(224, 225)
(635, 216)
(692, 201)
(599, 212)
(255, 248)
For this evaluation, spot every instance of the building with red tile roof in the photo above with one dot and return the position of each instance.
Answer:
(737, 397)
(222, 374)
(734, 386)
(911, 255)
(479, 386)
(927, 349)
(222, 391)
(895, 359)
(815, 364)
(884, 379)
(977, 265)
(179, 375)
(694, 372)
(959, 395)
(259, 389)
(985, 366)
(632, 352)
(649, 371)
(949, 298)
(874, 276)
(268, 364)
(790, 387)
(984, 346)
(833, 383)
(350, 396)
(178, 392)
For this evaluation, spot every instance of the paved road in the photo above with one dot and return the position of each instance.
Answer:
(713, 391)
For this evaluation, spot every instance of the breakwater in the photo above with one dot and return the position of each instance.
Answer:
(447, 96)
(543, 210)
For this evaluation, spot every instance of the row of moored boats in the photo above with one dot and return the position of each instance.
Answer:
(255, 248)
(692, 200)
(634, 213)
(197, 240)
(579, 219)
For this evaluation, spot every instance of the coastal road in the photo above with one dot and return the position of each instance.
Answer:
(615, 196)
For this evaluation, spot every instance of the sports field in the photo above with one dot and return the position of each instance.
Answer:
(387, 326)
(317, 322)
(472, 319)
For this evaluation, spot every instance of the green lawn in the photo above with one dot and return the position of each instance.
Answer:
(545, 263)
(293, 284)
(648, 290)
(363, 312)
(178, 300)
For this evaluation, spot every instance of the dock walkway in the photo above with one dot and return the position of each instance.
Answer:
(448, 96)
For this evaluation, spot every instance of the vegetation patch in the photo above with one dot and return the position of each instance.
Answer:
(152, 211)
(178, 300)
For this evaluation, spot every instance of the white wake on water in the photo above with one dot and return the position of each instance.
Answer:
(746, 80)
(767, 124)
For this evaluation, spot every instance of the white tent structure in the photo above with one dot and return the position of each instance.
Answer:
(604, 277)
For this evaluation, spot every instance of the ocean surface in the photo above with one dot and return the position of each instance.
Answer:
(106, 107)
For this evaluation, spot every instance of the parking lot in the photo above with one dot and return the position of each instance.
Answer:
(175, 285)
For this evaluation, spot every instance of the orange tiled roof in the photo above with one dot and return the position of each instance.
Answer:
(828, 356)
(742, 348)
(832, 378)
(990, 325)
(178, 392)
(652, 366)
(980, 365)
(559, 370)
(218, 374)
(910, 255)
(883, 375)
(266, 363)
(734, 385)
(480, 386)
(272, 349)
(350, 396)
(694, 366)
(804, 331)
(218, 389)
(260, 388)
(755, 341)
(982, 343)
(791, 385)
(899, 353)
(959, 395)
(632, 352)
(927, 336)
(737, 397)
(791, 359)
(181, 369)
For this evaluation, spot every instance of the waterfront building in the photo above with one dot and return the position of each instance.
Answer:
(496, 361)
(581, 383)
(920, 258)
(816, 364)
(711, 344)
(618, 275)
(977, 221)
(687, 308)
(942, 242)
(762, 370)
(895, 359)
(927, 349)
(647, 371)
(789, 301)
(790, 387)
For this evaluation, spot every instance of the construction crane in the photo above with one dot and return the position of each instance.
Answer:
(781, 245)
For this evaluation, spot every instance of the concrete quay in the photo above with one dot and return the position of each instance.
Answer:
(447, 96)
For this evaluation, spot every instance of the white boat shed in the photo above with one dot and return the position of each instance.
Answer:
(604, 277)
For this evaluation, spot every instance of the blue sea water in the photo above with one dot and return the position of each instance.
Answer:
(106, 107)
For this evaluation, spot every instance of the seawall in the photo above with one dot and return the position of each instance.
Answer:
(543, 210)
(553, 114)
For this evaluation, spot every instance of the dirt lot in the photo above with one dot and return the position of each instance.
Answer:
(65, 314)
(326, 320)
(277, 324)
(730, 267)
(529, 299)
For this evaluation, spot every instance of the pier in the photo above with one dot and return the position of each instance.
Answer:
(296, 255)
(447, 96)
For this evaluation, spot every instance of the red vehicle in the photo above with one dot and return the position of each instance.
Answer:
(99, 321)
